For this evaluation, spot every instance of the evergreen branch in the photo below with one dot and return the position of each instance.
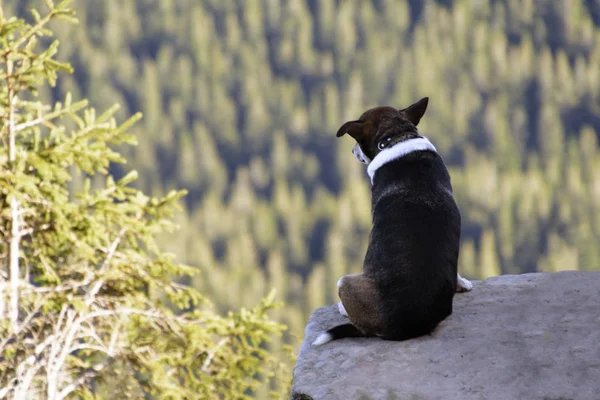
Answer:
(111, 252)
(13, 335)
(57, 289)
(29, 124)
(30, 360)
(93, 347)
(26, 382)
(59, 112)
(126, 312)
(89, 332)
(211, 354)
(60, 350)
(90, 373)
(34, 29)
(13, 311)
(31, 231)
(113, 337)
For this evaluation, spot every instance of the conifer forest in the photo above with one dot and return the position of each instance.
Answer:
(241, 100)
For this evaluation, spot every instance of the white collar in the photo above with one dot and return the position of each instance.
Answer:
(397, 151)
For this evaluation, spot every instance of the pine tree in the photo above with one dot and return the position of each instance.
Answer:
(89, 304)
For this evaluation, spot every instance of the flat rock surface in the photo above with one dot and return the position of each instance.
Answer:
(530, 336)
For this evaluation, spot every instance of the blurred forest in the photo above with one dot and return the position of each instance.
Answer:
(242, 99)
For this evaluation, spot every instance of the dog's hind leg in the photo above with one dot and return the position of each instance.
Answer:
(359, 300)
(359, 304)
(462, 284)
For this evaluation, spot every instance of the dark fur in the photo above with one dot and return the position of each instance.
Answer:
(411, 261)
(413, 254)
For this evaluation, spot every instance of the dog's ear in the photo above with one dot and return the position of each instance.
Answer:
(352, 128)
(414, 112)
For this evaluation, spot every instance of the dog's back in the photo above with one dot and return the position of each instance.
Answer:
(415, 238)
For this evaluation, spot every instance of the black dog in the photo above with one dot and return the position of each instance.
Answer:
(410, 270)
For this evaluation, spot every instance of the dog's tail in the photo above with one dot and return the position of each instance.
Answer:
(338, 332)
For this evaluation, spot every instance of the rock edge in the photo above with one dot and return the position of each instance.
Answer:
(529, 336)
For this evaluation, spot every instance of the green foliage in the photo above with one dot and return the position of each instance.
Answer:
(241, 100)
(90, 305)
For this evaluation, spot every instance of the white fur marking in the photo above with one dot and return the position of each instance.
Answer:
(462, 284)
(322, 339)
(339, 282)
(342, 309)
(397, 151)
(359, 155)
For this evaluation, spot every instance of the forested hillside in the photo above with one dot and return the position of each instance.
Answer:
(242, 99)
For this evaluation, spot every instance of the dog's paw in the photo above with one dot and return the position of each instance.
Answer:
(342, 309)
(463, 285)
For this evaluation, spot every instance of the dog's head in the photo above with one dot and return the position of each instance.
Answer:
(383, 127)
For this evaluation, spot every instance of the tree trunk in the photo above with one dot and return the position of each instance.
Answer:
(13, 270)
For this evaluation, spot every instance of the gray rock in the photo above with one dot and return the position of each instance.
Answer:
(530, 336)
